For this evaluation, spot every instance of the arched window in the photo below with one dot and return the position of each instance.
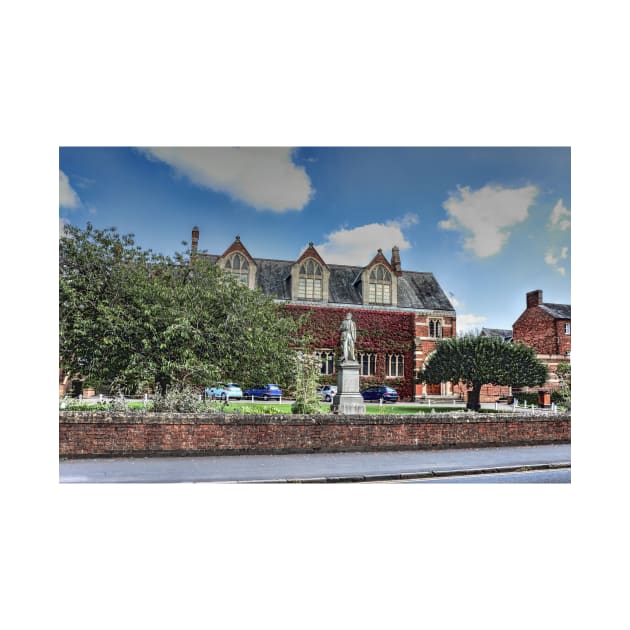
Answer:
(435, 328)
(328, 361)
(367, 363)
(238, 267)
(310, 280)
(380, 286)
(395, 364)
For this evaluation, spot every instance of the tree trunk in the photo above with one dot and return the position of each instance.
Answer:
(473, 397)
(162, 383)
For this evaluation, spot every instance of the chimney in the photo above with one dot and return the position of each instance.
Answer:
(195, 240)
(534, 298)
(396, 260)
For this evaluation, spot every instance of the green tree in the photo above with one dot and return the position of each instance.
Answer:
(563, 372)
(477, 361)
(307, 374)
(130, 318)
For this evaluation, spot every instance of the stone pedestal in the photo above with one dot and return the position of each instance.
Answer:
(348, 399)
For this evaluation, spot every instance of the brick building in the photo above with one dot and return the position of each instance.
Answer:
(545, 327)
(399, 314)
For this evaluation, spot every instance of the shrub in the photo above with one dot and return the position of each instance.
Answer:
(307, 371)
(179, 399)
(261, 409)
(117, 405)
(72, 404)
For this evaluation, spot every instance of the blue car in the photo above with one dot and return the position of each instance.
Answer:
(266, 392)
(380, 392)
(224, 391)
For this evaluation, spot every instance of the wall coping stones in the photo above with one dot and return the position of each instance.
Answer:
(104, 417)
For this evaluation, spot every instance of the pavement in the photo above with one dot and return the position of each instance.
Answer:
(316, 467)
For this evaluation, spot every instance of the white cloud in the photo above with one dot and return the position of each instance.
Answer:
(486, 214)
(67, 197)
(468, 322)
(560, 216)
(553, 260)
(357, 246)
(265, 178)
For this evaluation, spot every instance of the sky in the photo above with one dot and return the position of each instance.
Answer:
(491, 223)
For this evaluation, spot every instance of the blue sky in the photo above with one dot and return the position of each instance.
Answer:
(490, 223)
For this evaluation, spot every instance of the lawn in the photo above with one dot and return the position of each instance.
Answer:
(268, 408)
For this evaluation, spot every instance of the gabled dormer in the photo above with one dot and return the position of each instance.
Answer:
(379, 282)
(309, 277)
(237, 261)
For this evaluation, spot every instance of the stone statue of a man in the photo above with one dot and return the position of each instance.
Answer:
(348, 338)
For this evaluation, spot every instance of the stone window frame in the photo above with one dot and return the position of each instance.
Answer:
(367, 360)
(240, 276)
(364, 280)
(567, 328)
(223, 262)
(374, 283)
(396, 361)
(439, 323)
(295, 281)
(315, 277)
(327, 358)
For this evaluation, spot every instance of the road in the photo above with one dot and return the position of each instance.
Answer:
(561, 475)
(314, 467)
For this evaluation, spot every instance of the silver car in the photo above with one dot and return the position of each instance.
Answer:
(327, 392)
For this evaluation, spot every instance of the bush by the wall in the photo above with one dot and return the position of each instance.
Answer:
(182, 399)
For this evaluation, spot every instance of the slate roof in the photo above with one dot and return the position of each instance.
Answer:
(416, 290)
(505, 334)
(559, 311)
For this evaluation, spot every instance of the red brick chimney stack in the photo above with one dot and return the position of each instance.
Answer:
(534, 298)
(195, 239)
(396, 260)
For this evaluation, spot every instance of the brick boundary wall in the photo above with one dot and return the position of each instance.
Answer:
(105, 434)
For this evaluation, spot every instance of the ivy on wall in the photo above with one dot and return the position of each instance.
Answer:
(378, 332)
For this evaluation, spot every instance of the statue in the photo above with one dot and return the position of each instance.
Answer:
(348, 338)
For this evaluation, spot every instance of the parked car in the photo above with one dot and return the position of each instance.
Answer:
(327, 392)
(266, 392)
(224, 391)
(380, 392)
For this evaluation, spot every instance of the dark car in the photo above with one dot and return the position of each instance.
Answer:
(380, 392)
(266, 392)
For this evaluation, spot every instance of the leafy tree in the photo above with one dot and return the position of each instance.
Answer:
(477, 361)
(130, 318)
(563, 372)
(307, 373)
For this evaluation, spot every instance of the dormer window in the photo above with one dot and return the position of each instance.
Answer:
(238, 267)
(309, 277)
(380, 286)
(310, 281)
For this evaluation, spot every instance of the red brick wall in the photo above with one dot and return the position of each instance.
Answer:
(541, 331)
(102, 434)
(488, 394)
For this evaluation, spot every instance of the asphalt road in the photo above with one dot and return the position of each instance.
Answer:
(561, 475)
(317, 467)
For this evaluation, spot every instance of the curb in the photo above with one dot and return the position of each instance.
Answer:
(405, 476)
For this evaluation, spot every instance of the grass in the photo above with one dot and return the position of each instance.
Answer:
(275, 408)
